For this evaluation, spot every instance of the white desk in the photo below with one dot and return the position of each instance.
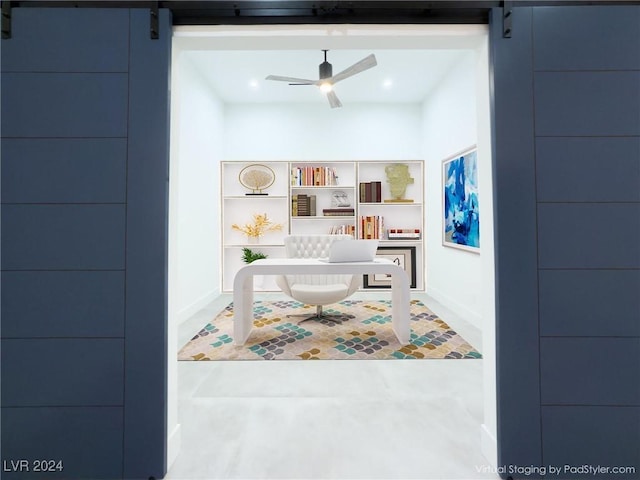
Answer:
(243, 288)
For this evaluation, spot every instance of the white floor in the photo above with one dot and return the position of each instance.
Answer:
(348, 419)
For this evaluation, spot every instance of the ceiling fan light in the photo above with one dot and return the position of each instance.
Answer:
(326, 87)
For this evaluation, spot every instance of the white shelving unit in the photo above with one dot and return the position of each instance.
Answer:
(239, 208)
(345, 181)
(408, 215)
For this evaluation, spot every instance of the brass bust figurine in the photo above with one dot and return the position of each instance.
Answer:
(398, 178)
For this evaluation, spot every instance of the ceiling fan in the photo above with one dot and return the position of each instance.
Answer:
(327, 79)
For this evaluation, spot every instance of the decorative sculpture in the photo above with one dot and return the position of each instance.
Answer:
(339, 199)
(261, 225)
(256, 178)
(398, 177)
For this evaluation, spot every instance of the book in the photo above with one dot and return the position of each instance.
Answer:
(371, 227)
(377, 192)
(342, 230)
(370, 192)
(361, 191)
(309, 176)
(303, 205)
(338, 212)
(404, 234)
(312, 205)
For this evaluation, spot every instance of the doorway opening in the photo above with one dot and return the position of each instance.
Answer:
(428, 99)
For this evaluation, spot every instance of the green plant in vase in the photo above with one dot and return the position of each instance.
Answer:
(249, 256)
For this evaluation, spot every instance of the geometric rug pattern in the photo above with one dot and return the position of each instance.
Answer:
(367, 336)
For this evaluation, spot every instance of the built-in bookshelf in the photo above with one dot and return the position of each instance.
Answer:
(351, 197)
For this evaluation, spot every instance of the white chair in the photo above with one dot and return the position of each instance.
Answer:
(317, 290)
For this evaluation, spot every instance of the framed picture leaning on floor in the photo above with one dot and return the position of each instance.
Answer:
(404, 256)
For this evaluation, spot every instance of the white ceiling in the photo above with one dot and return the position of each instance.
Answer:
(411, 60)
(401, 76)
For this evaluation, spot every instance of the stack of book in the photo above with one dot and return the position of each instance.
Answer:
(371, 227)
(303, 205)
(338, 212)
(342, 230)
(313, 176)
(403, 234)
(370, 192)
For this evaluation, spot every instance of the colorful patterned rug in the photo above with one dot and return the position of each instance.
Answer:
(368, 336)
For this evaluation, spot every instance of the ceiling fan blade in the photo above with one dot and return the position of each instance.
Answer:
(334, 101)
(364, 64)
(299, 81)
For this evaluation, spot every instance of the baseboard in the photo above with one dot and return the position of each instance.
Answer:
(174, 442)
(472, 317)
(488, 446)
(188, 311)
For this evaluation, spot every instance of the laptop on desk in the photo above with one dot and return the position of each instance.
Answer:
(342, 251)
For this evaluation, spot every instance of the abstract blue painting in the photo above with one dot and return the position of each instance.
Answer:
(461, 222)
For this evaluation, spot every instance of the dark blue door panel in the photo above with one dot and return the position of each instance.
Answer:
(595, 45)
(85, 116)
(62, 372)
(57, 40)
(88, 440)
(587, 103)
(599, 303)
(64, 104)
(147, 232)
(569, 77)
(605, 436)
(588, 169)
(590, 371)
(589, 235)
(69, 237)
(62, 304)
(517, 311)
(70, 170)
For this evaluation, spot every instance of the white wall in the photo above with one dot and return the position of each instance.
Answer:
(488, 291)
(457, 115)
(454, 277)
(200, 150)
(317, 132)
(196, 149)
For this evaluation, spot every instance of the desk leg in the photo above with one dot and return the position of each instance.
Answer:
(242, 309)
(400, 313)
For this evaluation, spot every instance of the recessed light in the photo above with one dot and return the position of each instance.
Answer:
(254, 84)
(387, 83)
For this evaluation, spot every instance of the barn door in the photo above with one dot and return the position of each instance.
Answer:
(567, 186)
(85, 134)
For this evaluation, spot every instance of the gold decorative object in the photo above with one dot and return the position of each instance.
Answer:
(256, 178)
(261, 225)
(398, 177)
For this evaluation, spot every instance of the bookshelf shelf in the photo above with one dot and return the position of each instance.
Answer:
(383, 204)
(332, 187)
(238, 208)
(261, 197)
(323, 217)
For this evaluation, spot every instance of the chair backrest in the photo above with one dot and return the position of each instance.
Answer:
(310, 246)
